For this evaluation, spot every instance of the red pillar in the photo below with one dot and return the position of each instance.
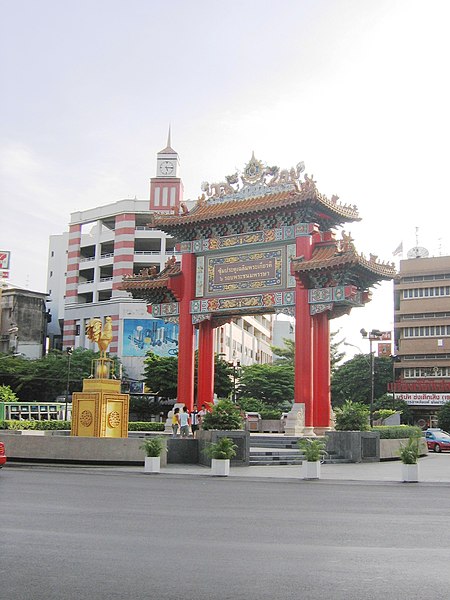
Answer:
(303, 381)
(186, 334)
(205, 385)
(321, 358)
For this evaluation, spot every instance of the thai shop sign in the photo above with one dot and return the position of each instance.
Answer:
(424, 399)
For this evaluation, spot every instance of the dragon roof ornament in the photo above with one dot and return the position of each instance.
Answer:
(256, 179)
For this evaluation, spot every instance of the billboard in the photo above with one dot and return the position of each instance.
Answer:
(142, 335)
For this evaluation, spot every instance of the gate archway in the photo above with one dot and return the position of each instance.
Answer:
(263, 241)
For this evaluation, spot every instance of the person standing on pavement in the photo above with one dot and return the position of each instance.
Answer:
(175, 421)
(202, 414)
(195, 420)
(184, 422)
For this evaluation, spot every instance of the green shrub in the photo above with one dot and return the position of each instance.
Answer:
(222, 449)
(352, 416)
(37, 425)
(45, 425)
(223, 416)
(265, 410)
(312, 448)
(145, 426)
(444, 417)
(409, 453)
(152, 446)
(396, 432)
(7, 394)
(383, 413)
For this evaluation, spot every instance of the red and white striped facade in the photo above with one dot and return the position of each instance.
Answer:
(125, 232)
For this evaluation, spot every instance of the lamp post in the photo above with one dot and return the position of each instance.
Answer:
(69, 351)
(235, 366)
(375, 334)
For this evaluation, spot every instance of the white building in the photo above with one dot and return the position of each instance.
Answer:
(86, 267)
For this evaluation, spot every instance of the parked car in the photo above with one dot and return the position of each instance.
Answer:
(2, 454)
(437, 440)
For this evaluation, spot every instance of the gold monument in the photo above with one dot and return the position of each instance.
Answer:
(100, 410)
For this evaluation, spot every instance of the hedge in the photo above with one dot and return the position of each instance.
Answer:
(37, 425)
(46, 425)
(145, 426)
(395, 432)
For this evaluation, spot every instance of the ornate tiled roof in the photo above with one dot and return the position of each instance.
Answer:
(299, 202)
(151, 286)
(339, 262)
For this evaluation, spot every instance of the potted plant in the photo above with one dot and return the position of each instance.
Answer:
(409, 455)
(313, 450)
(220, 453)
(153, 448)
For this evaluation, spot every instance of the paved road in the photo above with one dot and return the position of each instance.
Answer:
(74, 533)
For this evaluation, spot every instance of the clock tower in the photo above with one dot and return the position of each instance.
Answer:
(166, 189)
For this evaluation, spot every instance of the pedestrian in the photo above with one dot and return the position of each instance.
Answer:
(202, 414)
(195, 419)
(184, 422)
(175, 421)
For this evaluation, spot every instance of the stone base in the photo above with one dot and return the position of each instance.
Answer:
(100, 410)
(321, 431)
(295, 421)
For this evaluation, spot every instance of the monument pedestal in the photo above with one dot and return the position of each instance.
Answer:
(100, 410)
(295, 421)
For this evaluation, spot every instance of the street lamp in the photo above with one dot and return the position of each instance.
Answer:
(69, 351)
(235, 365)
(395, 359)
(375, 334)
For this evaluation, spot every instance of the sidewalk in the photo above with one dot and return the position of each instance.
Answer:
(433, 468)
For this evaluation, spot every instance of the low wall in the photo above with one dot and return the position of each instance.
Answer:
(389, 449)
(355, 446)
(88, 450)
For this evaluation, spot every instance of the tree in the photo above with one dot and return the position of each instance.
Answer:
(285, 355)
(161, 375)
(274, 384)
(45, 378)
(444, 417)
(352, 380)
(7, 395)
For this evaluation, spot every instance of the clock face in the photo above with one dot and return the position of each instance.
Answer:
(166, 167)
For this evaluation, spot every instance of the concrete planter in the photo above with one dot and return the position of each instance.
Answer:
(152, 464)
(220, 467)
(239, 436)
(410, 473)
(355, 446)
(311, 469)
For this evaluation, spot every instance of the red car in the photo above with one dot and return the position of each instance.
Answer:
(2, 454)
(437, 440)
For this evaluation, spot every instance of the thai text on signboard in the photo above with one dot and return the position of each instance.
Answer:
(245, 271)
(424, 399)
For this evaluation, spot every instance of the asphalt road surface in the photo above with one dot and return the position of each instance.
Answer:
(74, 533)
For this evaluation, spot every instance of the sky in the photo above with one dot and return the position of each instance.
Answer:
(357, 89)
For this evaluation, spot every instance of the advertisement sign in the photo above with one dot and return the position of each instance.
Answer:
(142, 335)
(4, 259)
(384, 350)
(424, 399)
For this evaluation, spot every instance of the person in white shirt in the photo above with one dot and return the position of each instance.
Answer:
(184, 422)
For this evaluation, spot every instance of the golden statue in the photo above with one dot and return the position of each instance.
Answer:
(100, 334)
(100, 410)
